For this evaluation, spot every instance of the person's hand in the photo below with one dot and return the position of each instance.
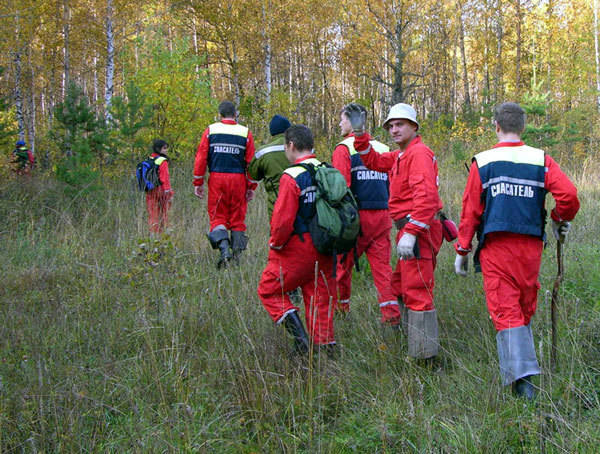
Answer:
(357, 119)
(461, 265)
(249, 195)
(561, 230)
(199, 191)
(406, 245)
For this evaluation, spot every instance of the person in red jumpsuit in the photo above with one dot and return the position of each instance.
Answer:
(293, 260)
(371, 190)
(226, 148)
(158, 200)
(414, 206)
(503, 203)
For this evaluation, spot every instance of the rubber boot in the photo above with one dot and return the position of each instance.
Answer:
(239, 242)
(422, 336)
(294, 326)
(524, 388)
(219, 239)
(225, 254)
(403, 316)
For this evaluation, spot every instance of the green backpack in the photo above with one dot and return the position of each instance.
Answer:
(335, 226)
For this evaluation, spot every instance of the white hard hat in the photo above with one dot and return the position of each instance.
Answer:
(401, 111)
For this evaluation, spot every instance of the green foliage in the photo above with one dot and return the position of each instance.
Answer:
(132, 115)
(180, 96)
(83, 139)
(538, 131)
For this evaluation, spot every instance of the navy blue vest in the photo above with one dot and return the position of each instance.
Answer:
(370, 188)
(512, 179)
(306, 203)
(227, 148)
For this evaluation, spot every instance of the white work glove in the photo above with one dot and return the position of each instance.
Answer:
(406, 246)
(461, 265)
(357, 118)
(249, 195)
(560, 230)
(199, 191)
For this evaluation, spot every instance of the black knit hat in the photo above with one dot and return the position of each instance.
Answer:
(278, 125)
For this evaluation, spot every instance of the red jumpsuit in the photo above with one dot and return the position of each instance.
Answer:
(227, 203)
(414, 192)
(294, 262)
(375, 226)
(158, 200)
(510, 262)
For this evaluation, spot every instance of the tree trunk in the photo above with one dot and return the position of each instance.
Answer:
(110, 61)
(518, 56)
(194, 40)
(18, 82)
(236, 80)
(398, 88)
(463, 54)
(265, 31)
(19, 96)
(66, 56)
(550, 38)
(597, 52)
(32, 115)
(499, 34)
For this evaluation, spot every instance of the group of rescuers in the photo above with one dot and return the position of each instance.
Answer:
(503, 203)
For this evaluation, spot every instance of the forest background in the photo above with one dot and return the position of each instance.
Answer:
(105, 349)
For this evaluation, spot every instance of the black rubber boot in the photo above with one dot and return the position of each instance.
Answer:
(294, 326)
(523, 387)
(239, 242)
(225, 254)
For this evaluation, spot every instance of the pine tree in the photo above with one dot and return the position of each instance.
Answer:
(82, 137)
(538, 131)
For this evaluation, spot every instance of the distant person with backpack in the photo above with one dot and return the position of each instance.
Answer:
(414, 206)
(293, 259)
(371, 190)
(23, 158)
(226, 148)
(269, 162)
(158, 199)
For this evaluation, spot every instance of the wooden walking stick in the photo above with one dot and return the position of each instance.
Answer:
(554, 302)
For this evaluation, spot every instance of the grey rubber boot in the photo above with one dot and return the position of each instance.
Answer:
(219, 239)
(239, 242)
(423, 340)
(403, 315)
(516, 355)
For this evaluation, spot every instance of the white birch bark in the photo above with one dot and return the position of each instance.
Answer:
(268, 56)
(110, 61)
(19, 96)
(32, 111)
(66, 55)
(18, 93)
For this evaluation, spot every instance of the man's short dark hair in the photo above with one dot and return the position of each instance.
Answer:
(510, 117)
(227, 109)
(301, 136)
(352, 106)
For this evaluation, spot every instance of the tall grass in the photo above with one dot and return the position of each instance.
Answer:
(114, 341)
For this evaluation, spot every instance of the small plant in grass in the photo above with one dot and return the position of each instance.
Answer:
(152, 253)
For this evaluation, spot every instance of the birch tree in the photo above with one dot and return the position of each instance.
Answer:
(110, 63)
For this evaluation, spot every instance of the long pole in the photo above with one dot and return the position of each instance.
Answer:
(554, 302)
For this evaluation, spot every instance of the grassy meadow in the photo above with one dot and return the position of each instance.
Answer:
(114, 342)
